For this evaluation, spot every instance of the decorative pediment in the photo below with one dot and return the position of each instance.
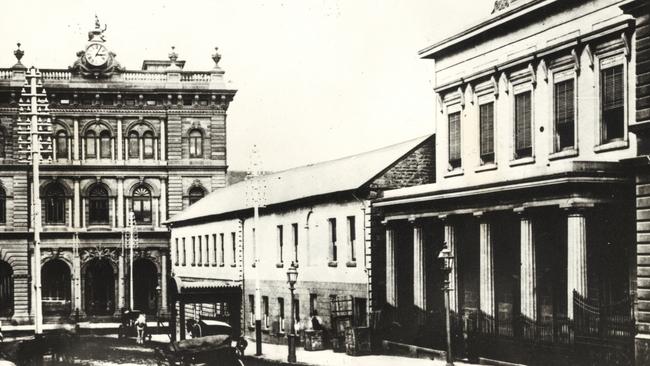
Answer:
(99, 253)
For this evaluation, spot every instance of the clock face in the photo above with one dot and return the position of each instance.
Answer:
(96, 54)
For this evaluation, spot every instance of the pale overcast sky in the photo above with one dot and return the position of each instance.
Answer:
(317, 79)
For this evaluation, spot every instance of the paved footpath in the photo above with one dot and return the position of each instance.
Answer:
(277, 354)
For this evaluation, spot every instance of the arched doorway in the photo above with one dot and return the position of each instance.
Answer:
(56, 288)
(145, 281)
(6, 289)
(99, 289)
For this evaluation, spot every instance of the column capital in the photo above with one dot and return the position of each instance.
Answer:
(444, 217)
(478, 214)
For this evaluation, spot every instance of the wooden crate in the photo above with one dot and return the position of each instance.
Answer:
(314, 340)
(357, 341)
(338, 343)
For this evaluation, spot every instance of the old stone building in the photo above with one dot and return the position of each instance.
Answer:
(534, 113)
(149, 141)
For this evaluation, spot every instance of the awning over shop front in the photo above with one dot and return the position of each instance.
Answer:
(189, 290)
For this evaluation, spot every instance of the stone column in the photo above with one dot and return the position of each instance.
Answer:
(77, 204)
(528, 275)
(120, 140)
(120, 201)
(75, 139)
(69, 218)
(576, 257)
(391, 289)
(120, 280)
(450, 239)
(419, 269)
(163, 199)
(163, 141)
(486, 267)
(155, 213)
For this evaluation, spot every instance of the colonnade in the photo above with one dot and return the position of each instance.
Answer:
(576, 262)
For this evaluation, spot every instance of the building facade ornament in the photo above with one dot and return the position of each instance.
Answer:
(96, 61)
(500, 5)
(99, 252)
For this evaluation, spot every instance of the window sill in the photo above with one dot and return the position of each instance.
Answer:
(279, 265)
(486, 167)
(568, 153)
(351, 264)
(612, 145)
(333, 264)
(454, 173)
(522, 161)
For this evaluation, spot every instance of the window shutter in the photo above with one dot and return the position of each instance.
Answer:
(487, 128)
(523, 139)
(612, 87)
(454, 136)
(564, 114)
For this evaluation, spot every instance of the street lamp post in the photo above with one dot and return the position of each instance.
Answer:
(292, 277)
(447, 261)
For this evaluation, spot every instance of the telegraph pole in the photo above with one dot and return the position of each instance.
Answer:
(131, 244)
(38, 125)
(257, 198)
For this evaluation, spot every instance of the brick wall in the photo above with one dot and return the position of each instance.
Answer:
(416, 168)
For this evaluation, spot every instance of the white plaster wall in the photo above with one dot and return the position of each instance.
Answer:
(313, 247)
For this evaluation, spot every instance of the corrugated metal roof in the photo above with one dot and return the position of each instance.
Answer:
(344, 174)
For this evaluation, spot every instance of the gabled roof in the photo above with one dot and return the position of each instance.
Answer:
(344, 174)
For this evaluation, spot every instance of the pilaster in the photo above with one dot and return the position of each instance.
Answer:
(391, 289)
(419, 268)
(528, 274)
(486, 265)
(450, 239)
(576, 256)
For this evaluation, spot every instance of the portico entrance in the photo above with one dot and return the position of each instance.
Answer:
(56, 288)
(145, 281)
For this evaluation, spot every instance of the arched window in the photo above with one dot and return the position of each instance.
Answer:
(54, 203)
(2, 144)
(6, 289)
(196, 144)
(3, 206)
(98, 205)
(196, 193)
(61, 142)
(148, 144)
(91, 148)
(134, 145)
(105, 145)
(141, 205)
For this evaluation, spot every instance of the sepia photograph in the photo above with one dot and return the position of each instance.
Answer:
(325, 183)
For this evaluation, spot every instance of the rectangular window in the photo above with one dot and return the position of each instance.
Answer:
(251, 304)
(294, 231)
(222, 258)
(184, 253)
(176, 252)
(281, 314)
(313, 304)
(265, 311)
(200, 252)
(332, 233)
(352, 238)
(454, 140)
(280, 244)
(612, 103)
(564, 115)
(214, 249)
(523, 128)
(233, 243)
(193, 251)
(486, 122)
(207, 251)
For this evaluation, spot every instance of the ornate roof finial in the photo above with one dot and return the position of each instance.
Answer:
(216, 57)
(97, 34)
(19, 55)
(173, 56)
(97, 25)
(500, 5)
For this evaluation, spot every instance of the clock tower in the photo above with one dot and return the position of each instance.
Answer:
(96, 61)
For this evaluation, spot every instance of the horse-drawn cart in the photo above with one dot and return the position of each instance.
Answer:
(216, 350)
